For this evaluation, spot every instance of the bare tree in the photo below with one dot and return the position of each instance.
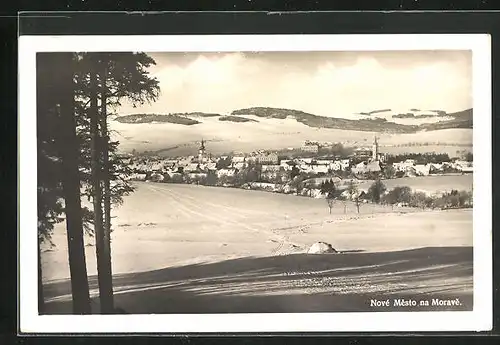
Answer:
(297, 184)
(344, 202)
(354, 194)
(330, 201)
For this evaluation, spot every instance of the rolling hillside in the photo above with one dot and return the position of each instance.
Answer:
(273, 128)
(236, 119)
(384, 120)
(157, 118)
(366, 124)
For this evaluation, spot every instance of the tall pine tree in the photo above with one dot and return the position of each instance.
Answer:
(62, 88)
(105, 79)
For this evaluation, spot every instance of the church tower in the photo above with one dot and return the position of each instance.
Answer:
(201, 152)
(375, 152)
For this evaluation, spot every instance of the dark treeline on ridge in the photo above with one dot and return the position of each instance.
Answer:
(461, 119)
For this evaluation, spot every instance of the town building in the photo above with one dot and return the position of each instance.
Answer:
(270, 158)
(404, 166)
(463, 166)
(191, 167)
(211, 166)
(422, 169)
(372, 153)
(239, 165)
(324, 161)
(238, 159)
(226, 172)
(273, 167)
(270, 171)
(362, 153)
(366, 167)
(288, 164)
(310, 147)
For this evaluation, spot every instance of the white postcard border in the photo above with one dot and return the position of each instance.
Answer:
(480, 319)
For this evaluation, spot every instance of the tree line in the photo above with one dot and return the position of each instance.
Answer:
(404, 195)
(76, 92)
(420, 158)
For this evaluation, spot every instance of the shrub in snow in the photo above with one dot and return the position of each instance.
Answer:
(321, 248)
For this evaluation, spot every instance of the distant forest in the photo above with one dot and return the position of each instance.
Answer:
(461, 119)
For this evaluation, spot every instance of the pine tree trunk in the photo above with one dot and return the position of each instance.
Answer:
(108, 274)
(97, 195)
(41, 301)
(71, 188)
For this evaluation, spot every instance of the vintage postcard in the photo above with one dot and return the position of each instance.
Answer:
(270, 183)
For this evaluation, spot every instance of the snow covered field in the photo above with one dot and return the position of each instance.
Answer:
(224, 136)
(195, 249)
(429, 184)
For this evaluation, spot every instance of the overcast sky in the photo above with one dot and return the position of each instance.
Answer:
(324, 83)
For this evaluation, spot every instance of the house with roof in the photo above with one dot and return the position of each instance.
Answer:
(239, 165)
(463, 166)
(270, 171)
(156, 177)
(309, 146)
(196, 175)
(422, 169)
(319, 169)
(287, 164)
(211, 166)
(184, 161)
(340, 165)
(335, 166)
(345, 163)
(267, 158)
(270, 187)
(172, 174)
(362, 152)
(358, 194)
(436, 168)
(138, 177)
(467, 170)
(323, 162)
(237, 159)
(403, 166)
(226, 172)
(305, 160)
(192, 167)
(156, 166)
(410, 172)
(366, 167)
(271, 167)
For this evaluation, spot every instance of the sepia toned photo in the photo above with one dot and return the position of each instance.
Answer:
(239, 182)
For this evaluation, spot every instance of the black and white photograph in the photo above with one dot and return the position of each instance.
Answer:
(345, 181)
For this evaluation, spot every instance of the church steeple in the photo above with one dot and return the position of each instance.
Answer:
(201, 152)
(375, 152)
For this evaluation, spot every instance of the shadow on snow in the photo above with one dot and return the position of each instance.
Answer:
(292, 283)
